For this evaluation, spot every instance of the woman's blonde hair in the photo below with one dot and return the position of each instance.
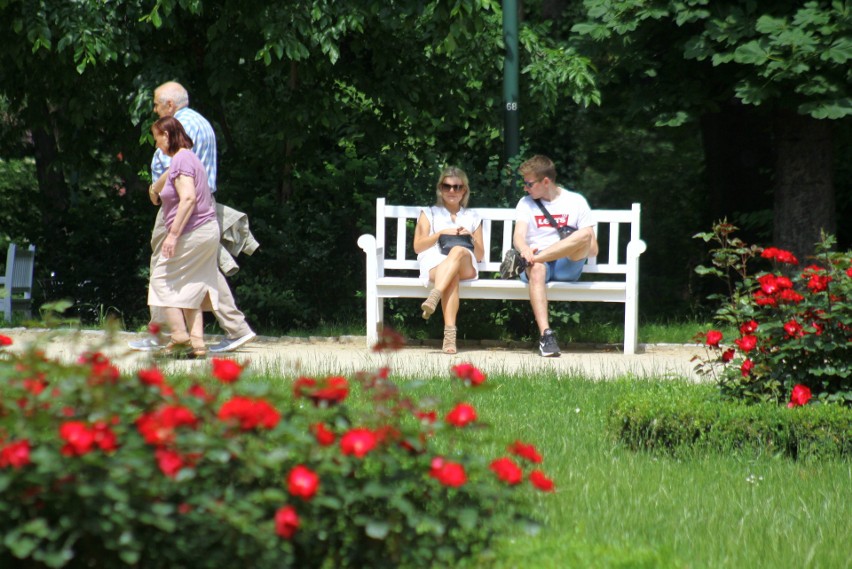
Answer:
(452, 172)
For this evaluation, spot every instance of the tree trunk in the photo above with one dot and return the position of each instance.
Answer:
(51, 181)
(737, 161)
(804, 184)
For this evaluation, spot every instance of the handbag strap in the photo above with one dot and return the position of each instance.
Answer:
(547, 214)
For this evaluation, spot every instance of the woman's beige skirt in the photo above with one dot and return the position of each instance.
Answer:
(188, 279)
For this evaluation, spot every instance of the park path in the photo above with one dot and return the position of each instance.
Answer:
(289, 356)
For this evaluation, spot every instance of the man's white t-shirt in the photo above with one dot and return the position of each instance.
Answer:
(569, 208)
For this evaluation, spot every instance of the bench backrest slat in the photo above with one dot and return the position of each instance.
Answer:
(500, 222)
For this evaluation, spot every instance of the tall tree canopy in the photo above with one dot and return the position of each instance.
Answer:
(779, 67)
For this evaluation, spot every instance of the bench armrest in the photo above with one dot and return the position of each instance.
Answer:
(375, 255)
(636, 248)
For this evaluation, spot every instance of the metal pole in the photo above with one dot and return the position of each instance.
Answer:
(511, 124)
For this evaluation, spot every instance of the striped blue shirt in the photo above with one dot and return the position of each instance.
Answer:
(204, 146)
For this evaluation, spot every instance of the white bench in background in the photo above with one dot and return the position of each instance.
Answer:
(17, 285)
(392, 269)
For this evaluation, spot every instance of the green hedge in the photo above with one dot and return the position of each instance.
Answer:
(682, 419)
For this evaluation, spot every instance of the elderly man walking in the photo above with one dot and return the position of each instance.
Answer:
(172, 100)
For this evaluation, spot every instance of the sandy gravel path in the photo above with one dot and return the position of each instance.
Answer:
(347, 354)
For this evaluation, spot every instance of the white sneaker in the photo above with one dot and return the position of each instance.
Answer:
(146, 345)
(229, 345)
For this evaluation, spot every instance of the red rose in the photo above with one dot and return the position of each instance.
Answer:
(713, 338)
(779, 255)
(769, 253)
(302, 386)
(526, 451)
(793, 329)
(790, 295)
(427, 417)
(746, 343)
(105, 439)
(540, 481)
(169, 461)
(324, 392)
(358, 442)
(250, 413)
(470, 373)
(768, 284)
(199, 392)
(749, 327)
(16, 454)
(448, 473)
(158, 427)
(746, 368)
(818, 283)
(461, 415)
(151, 376)
(763, 299)
(101, 369)
(5, 341)
(728, 355)
(800, 395)
(303, 482)
(848, 274)
(153, 328)
(226, 371)
(286, 522)
(79, 440)
(507, 471)
(35, 385)
(783, 283)
(329, 392)
(322, 434)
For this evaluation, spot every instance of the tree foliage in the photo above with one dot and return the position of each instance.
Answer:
(785, 54)
(782, 68)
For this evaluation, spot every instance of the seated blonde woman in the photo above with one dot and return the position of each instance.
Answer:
(445, 266)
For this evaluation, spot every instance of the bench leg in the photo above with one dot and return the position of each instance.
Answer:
(631, 325)
(374, 316)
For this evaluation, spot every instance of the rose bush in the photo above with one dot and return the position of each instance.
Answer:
(99, 469)
(794, 324)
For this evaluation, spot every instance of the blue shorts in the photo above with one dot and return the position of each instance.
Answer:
(562, 270)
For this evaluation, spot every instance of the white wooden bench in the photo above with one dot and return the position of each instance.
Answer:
(17, 285)
(392, 269)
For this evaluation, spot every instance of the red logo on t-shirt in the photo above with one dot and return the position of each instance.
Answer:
(541, 221)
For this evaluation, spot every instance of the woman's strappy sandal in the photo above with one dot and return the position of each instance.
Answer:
(431, 303)
(199, 349)
(450, 339)
(177, 349)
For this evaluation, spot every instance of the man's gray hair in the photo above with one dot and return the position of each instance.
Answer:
(174, 92)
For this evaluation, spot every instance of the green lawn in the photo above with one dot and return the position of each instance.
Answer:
(616, 508)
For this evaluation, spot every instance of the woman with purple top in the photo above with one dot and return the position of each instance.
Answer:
(183, 279)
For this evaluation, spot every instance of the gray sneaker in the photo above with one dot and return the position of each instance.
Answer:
(547, 345)
(146, 345)
(229, 345)
(513, 265)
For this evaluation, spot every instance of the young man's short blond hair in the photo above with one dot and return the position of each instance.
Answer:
(539, 166)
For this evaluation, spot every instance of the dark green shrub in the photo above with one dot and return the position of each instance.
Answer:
(682, 419)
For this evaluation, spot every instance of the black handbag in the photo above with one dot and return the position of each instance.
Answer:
(563, 231)
(447, 242)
